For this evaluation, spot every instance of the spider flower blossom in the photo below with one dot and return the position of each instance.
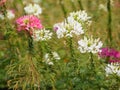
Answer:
(73, 25)
(10, 15)
(89, 45)
(48, 60)
(33, 9)
(28, 22)
(113, 68)
(42, 35)
(109, 52)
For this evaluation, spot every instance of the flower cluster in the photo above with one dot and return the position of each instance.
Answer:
(42, 35)
(109, 52)
(113, 68)
(48, 60)
(33, 9)
(73, 25)
(29, 23)
(89, 45)
(10, 15)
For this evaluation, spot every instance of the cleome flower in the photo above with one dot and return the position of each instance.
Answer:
(10, 15)
(89, 45)
(29, 23)
(80, 16)
(42, 35)
(73, 25)
(33, 9)
(48, 60)
(109, 52)
(113, 68)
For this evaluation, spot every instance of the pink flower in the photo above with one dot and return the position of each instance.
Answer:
(28, 22)
(2, 2)
(118, 55)
(108, 52)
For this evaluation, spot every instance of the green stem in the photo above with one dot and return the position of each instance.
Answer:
(109, 22)
(72, 54)
(89, 4)
(80, 4)
(63, 8)
(30, 44)
(48, 49)
(73, 5)
(92, 62)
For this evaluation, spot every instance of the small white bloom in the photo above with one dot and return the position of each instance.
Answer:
(80, 16)
(102, 7)
(113, 68)
(60, 29)
(10, 14)
(1, 16)
(42, 35)
(33, 9)
(89, 45)
(56, 56)
(49, 60)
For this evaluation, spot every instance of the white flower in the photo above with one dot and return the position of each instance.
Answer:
(102, 7)
(89, 45)
(49, 60)
(1, 16)
(113, 68)
(74, 24)
(80, 16)
(33, 9)
(56, 56)
(60, 29)
(42, 35)
(10, 14)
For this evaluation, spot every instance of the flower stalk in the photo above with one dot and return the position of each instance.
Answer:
(109, 27)
(72, 53)
(63, 8)
(92, 61)
(80, 4)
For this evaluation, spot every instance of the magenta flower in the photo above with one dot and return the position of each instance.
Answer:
(29, 23)
(108, 52)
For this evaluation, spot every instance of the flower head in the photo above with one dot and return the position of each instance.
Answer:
(89, 45)
(10, 14)
(108, 52)
(49, 60)
(33, 9)
(42, 35)
(113, 68)
(28, 22)
(74, 24)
